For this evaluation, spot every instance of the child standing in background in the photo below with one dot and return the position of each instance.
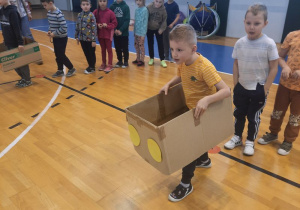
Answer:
(254, 70)
(157, 23)
(106, 22)
(122, 12)
(11, 31)
(85, 33)
(140, 30)
(288, 95)
(58, 31)
(173, 16)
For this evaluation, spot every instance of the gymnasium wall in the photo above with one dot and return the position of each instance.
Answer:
(277, 10)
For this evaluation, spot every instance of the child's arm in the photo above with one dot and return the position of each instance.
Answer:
(113, 21)
(175, 80)
(163, 25)
(126, 20)
(235, 72)
(223, 91)
(93, 28)
(77, 29)
(272, 74)
(15, 24)
(62, 25)
(286, 70)
(175, 21)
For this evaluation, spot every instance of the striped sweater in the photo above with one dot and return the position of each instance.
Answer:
(57, 23)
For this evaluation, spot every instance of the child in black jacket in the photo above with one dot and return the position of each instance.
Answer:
(11, 30)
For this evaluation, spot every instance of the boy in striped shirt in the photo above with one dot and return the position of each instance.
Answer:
(202, 86)
(58, 31)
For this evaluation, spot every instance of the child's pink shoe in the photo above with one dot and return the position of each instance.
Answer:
(108, 68)
(102, 67)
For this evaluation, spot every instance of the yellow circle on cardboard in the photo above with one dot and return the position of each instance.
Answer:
(154, 150)
(135, 138)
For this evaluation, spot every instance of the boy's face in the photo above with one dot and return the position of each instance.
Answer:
(182, 51)
(102, 4)
(254, 25)
(4, 3)
(85, 6)
(48, 6)
(158, 3)
(139, 3)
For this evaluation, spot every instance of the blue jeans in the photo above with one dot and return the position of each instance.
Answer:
(25, 28)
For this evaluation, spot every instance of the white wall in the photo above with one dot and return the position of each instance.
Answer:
(63, 4)
(35, 2)
(276, 16)
(181, 3)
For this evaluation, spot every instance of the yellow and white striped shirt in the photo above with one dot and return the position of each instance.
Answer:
(198, 80)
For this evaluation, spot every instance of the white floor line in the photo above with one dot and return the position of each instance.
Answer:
(11, 145)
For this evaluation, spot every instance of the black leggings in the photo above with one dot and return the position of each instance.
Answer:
(160, 43)
(60, 45)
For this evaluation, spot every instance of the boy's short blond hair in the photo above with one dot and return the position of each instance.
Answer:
(89, 1)
(185, 33)
(256, 8)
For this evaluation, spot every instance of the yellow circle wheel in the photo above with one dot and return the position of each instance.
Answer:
(135, 138)
(154, 150)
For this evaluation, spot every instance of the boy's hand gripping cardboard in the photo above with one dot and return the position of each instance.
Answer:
(11, 59)
(166, 134)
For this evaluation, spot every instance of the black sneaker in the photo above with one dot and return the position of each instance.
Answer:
(135, 62)
(20, 82)
(59, 73)
(71, 72)
(180, 193)
(125, 65)
(118, 64)
(89, 70)
(141, 63)
(205, 164)
(25, 84)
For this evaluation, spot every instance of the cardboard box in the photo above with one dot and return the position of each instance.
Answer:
(166, 134)
(11, 59)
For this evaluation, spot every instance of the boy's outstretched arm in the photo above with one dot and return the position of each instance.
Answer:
(272, 74)
(175, 80)
(286, 70)
(235, 72)
(223, 91)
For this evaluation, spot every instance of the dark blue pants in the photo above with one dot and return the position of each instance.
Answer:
(188, 171)
(250, 104)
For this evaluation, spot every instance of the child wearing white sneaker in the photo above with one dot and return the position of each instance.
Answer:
(202, 86)
(254, 70)
(287, 95)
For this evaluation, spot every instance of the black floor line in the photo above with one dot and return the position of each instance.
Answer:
(4, 83)
(15, 125)
(33, 116)
(54, 105)
(87, 95)
(70, 96)
(295, 184)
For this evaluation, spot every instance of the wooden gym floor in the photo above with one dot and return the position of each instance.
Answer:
(73, 149)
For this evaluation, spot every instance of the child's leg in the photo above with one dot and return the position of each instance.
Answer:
(92, 56)
(136, 46)
(150, 39)
(60, 45)
(103, 50)
(292, 128)
(241, 102)
(188, 172)
(85, 49)
(118, 47)
(142, 48)
(166, 43)
(281, 104)
(160, 43)
(108, 45)
(256, 105)
(125, 48)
